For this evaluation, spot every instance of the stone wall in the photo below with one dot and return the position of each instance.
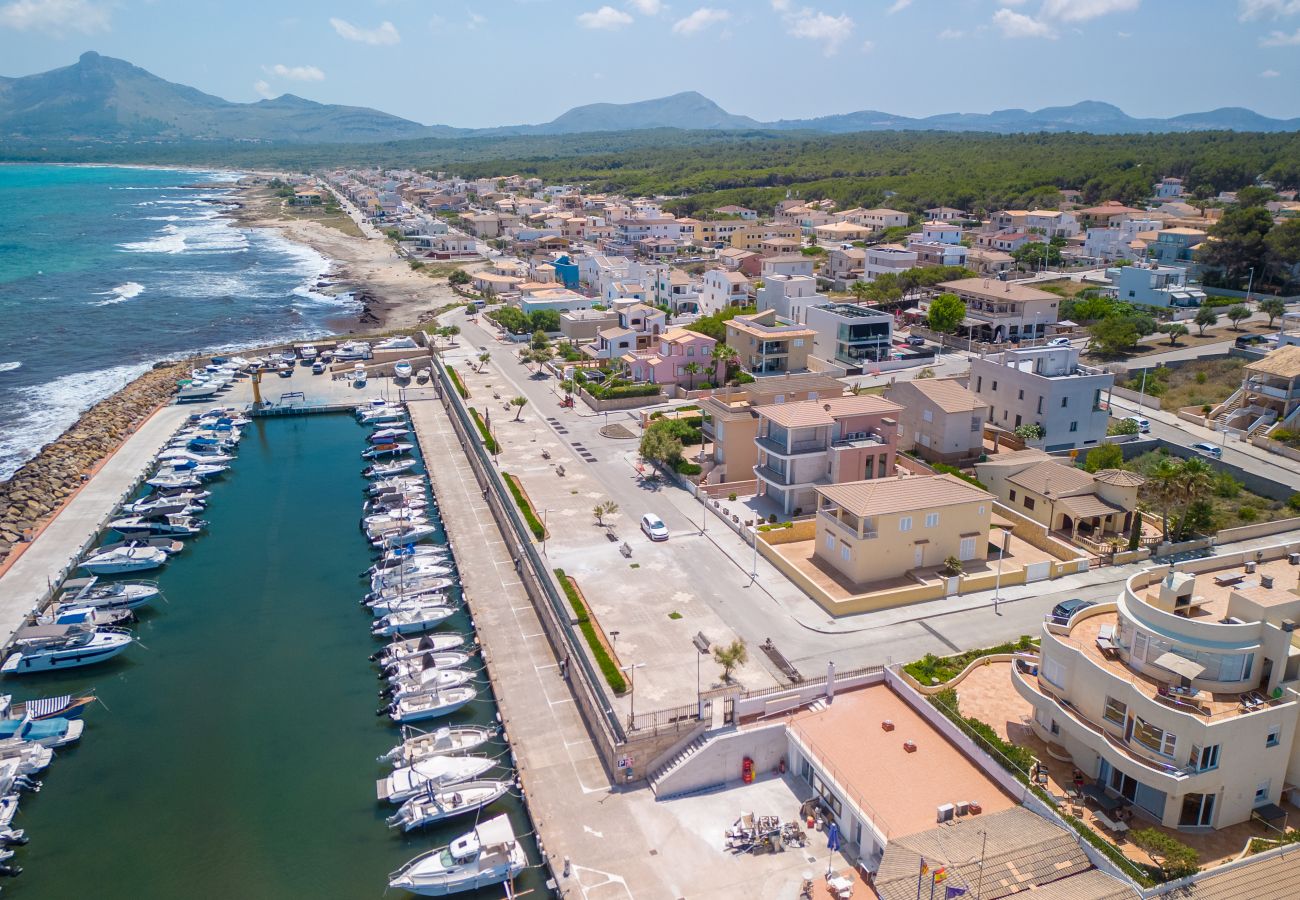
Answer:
(42, 485)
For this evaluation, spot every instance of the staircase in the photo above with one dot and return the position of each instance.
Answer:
(677, 761)
(1225, 409)
(1264, 422)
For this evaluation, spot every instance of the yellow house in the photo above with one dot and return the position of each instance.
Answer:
(868, 531)
(752, 235)
(768, 343)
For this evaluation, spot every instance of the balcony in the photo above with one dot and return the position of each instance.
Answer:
(771, 348)
(860, 439)
(832, 520)
(1270, 390)
(796, 448)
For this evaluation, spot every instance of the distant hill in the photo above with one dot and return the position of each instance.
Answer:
(104, 99)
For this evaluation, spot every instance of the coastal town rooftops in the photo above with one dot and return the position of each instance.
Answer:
(901, 493)
(805, 413)
(682, 336)
(847, 738)
(992, 289)
(948, 394)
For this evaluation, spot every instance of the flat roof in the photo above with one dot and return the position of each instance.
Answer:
(902, 790)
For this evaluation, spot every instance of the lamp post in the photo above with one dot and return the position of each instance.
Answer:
(545, 533)
(997, 583)
(702, 647)
(1250, 283)
(631, 677)
(753, 566)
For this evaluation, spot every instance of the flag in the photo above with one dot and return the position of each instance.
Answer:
(940, 874)
(950, 892)
(925, 867)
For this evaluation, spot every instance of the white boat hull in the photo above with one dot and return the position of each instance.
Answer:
(21, 663)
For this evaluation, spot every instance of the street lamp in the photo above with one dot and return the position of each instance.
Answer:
(702, 646)
(545, 533)
(631, 677)
(1250, 283)
(997, 583)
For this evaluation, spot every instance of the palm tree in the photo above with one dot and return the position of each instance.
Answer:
(1194, 481)
(519, 403)
(1162, 489)
(727, 355)
(692, 369)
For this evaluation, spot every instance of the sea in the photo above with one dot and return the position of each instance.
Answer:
(106, 270)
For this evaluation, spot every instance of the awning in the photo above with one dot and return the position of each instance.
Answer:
(1180, 665)
(1085, 506)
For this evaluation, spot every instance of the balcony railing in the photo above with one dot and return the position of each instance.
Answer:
(815, 445)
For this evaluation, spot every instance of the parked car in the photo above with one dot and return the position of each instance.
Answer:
(1143, 425)
(1059, 342)
(1062, 612)
(1208, 449)
(654, 527)
(915, 340)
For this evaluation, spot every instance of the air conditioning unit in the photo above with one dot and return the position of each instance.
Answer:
(945, 813)
(963, 807)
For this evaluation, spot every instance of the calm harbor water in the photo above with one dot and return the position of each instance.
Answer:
(234, 753)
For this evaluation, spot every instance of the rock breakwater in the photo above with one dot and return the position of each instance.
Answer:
(42, 485)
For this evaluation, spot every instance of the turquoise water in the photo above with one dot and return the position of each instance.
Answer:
(234, 753)
(105, 270)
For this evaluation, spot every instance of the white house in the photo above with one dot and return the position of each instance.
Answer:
(723, 289)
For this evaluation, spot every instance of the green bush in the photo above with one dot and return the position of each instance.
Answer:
(945, 469)
(1294, 502)
(457, 383)
(682, 467)
(942, 668)
(1177, 859)
(489, 442)
(1142, 874)
(607, 666)
(526, 508)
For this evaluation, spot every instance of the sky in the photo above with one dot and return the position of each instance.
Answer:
(479, 63)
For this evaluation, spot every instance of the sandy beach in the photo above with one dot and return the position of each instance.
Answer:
(393, 295)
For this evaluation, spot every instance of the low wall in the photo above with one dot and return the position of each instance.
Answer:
(1194, 415)
(1273, 446)
(1259, 529)
(914, 466)
(802, 530)
(1136, 396)
(719, 761)
(727, 488)
(619, 403)
(930, 689)
(858, 603)
(756, 702)
(1035, 534)
(1125, 557)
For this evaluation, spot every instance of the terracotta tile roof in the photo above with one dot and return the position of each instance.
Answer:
(825, 412)
(1283, 362)
(901, 494)
(1052, 477)
(1273, 878)
(1085, 506)
(996, 290)
(948, 395)
(1016, 457)
(1119, 477)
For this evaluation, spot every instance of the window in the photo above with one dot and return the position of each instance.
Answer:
(1017, 420)
(995, 385)
(1065, 401)
(976, 423)
(1115, 711)
(979, 384)
(1153, 737)
(1074, 426)
(1203, 759)
(830, 542)
(1029, 503)
(931, 520)
(846, 553)
(927, 415)
(1053, 671)
(1013, 494)
(1040, 406)
(981, 509)
(966, 550)
(1274, 736)
(905, 523)
(1020, 395)
(1261, 792)
(798, 342)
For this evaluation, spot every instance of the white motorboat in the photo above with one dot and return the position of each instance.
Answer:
(162, 506)
(50, 733)
(446, 741)
(191, 468)
(486, 856)
(438, 804)
(389, 469)
(164, 525)
(423, 375)
(402, 369)
(58, 614)
(197, 390)
(396, 559)
(374, 404)
(389, 602)
(31, 758)
(430, 680)
(449, 659)
(349, 350)
(167, 545)
(396, 500)
(405, 536)
(118, 595)
(382, 415)
(405, 585)
(39, 648)
(175, 455)
(379, 451)
(388, 435)
(412, 619)
(131, 558)
(395, 482)
(403, 649)
(308, 352)
(398, 342)
(410, 574)
(359, 375)
(171, 495)
(382, 526)
(419, 707)
(171, 480)
(439, 771)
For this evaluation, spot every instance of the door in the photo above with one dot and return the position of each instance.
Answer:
(967, 549)
(918, 556)
(1197, 811)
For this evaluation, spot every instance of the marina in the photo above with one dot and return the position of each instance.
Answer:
(268, 595)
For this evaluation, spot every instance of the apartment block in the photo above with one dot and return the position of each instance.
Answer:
(1045, 386)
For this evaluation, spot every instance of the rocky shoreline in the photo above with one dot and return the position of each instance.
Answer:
(45, 482)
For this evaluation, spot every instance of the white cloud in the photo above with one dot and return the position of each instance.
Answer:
(263, 90)
(647, 7)
(1019, 25)
(1266, 9)
(1124, 35)
(868, 46)
(1269, 73)
(951, 34)
(386, 33)
(1083, 10)
(474, 20)
(54, 17)
(607, 18)
(898, 6)
(701, 19)
(815, 25)
(780, 5)
(1281, 39)
(295, 73)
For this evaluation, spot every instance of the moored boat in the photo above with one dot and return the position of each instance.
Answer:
(381, 450)
(131, 558)
(412, 619)
(439, 771)
(119, 595)
(446, 741)
(40, 648)
(437, 805)
(402, 369)
(405, 648)
(69, 706)
(389, 469)
(435, 705)
(50, 732)
(168, 525)
(486, 856)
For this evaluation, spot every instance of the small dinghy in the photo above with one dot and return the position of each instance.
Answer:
(486, 856)
(437, 805)
(446, 741)
(402, 369)
(440, 771)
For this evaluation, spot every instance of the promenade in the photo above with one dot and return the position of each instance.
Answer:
(46, 560)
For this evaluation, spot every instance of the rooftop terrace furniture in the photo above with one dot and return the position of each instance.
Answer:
(1228, 579)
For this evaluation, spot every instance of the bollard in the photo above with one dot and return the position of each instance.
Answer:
(568, 867)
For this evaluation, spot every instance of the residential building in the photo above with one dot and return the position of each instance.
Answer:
(941, 421)
(850, 335)
(789, 264)
(1169, 189)
(778, 246)
(638, 328)
(732, 258)
(723, 289)
(939, 254)
(1269, 394)
(1051, 223)
(790, 296)
(717, 232)
(841, 232)
(876, 219)
(768, 343)
(1119, 241)
(811, 443)
(987, 261)
(936, 233)
(1062, 497)
(579, 326)
(869, 531)
(944, 214)
(1045, 386)
(752, 235)
(1110, 214)
(844, 265)
(1176, 246)
(1179, 697)
(731, 418)
(998, 311)
(559, 299)
(666, 361)
(891, 259)
(741, 212)
(1165, 287)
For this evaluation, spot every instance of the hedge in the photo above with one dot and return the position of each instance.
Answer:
(534, 524)
(489, 442)
(685, 467)
(608, 667)
(623, 390)
(942, 668)
(457, 383)
(945, 469)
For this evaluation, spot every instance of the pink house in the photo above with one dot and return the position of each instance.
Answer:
(666, 362)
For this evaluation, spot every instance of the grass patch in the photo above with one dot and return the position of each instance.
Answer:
(635, 566)
(1196, 384)
(604, 661)
(674, 615)
(457, 383)
(489, 442)
(1231, 503)
(931, 669)
(525, 506)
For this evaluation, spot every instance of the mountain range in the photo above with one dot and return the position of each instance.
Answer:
(100, 98)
